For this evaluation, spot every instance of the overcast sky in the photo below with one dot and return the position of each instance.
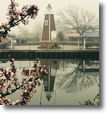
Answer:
(91, 5)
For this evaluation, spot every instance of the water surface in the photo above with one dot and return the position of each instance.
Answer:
(68, 82)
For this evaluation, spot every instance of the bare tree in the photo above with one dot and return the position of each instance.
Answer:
(25, 32)
(60, 27)
(37, 30)
(78, 19)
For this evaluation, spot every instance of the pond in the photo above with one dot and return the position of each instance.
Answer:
(68, 81)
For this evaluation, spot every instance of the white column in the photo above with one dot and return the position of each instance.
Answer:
(49, 27)
(78, 42)
(11, 43)
(83, 65)
(20, 40)
(78, 62)
(84, 44)
(49, 74)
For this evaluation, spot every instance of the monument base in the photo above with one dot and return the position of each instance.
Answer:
(44, 44)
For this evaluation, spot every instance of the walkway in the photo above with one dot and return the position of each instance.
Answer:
(35, 47)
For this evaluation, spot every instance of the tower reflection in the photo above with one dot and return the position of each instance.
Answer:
(49, 80)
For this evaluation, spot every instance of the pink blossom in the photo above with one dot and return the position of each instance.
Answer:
(13, 103)
(17, 101)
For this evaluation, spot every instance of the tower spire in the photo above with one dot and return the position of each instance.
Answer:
(49, 9)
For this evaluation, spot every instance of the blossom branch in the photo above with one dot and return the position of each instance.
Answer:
(15, 17)
(29, 83)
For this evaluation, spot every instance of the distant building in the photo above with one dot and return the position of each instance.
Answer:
(71, 35)
(6, 42)
(90, 39)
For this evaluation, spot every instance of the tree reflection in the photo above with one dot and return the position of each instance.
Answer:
(79, 79)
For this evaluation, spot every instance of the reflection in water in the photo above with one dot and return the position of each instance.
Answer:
(65, 77)
(49, 81)
(81, 77)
